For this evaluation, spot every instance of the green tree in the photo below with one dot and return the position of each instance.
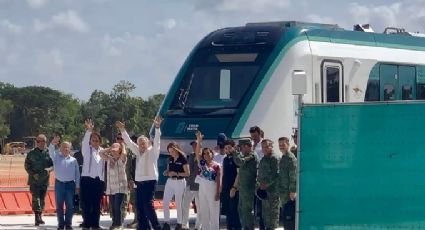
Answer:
(6, 107)
(41, 110)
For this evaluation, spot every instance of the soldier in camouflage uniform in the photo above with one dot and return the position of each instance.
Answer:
(36, 164)
(247, 161)
(287, 173)
(267, 180)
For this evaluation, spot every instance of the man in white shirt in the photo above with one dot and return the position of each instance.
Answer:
(146, 175)
(256, 137)
(219, 154)
(92, 183)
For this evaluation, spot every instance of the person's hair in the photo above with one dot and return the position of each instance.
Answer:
(210, 151)
(42, 136)
(97, 135)
(142, 138)
(175, 146)
(255, 129)
(229, 142)
(267, 141)
(66, 143)
(261, 133)
(285, 139)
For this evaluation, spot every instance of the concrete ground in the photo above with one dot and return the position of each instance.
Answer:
(26, 222)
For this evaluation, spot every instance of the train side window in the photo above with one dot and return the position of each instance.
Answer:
(420, 92)
(372, 90)
(389, 92)
(407, 92)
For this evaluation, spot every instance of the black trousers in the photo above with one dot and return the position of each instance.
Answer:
(144, 203)
(231, 209)
(91, 195)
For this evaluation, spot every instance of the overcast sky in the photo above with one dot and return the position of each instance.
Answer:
(78, 46)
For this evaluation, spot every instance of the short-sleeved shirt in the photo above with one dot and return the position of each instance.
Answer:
(177, 165)
(230, 171)
(208, 172)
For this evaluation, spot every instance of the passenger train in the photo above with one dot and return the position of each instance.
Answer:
(239, 77)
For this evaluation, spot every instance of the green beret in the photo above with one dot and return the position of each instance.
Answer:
(245, 141)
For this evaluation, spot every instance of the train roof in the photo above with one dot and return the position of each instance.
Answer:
(264, 33)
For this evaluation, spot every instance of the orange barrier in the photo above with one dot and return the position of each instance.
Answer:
(19, 202)
(15, 197)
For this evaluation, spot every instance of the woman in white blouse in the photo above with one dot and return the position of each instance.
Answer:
(116, 180)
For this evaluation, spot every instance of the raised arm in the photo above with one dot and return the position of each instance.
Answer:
(52, 149)
(104, 154)
(199, 137)
(127, 140)
(156, 141)
(85, 145)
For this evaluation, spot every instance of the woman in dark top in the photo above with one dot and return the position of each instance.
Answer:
(177, 170)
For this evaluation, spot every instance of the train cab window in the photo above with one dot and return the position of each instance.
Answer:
(332, 82)
(389, 92)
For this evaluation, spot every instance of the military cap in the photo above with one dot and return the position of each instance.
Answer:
(245, 141)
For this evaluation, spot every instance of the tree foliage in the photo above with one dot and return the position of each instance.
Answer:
(33, 110)
(6, 107)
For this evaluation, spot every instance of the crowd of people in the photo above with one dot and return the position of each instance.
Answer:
(243, 182)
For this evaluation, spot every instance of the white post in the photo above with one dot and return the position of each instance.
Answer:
(299, 88)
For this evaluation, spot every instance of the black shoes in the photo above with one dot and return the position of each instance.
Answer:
(37, 219)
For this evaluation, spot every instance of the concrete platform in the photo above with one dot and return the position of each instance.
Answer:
(26, 222)
(23, 222)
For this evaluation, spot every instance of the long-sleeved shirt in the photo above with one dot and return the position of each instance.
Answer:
(66, 168)
(93, 165)
(247, 171)
(146, 162)
(36, 162)
(268, 172)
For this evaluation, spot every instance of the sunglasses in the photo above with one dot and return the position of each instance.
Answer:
(120, 138)
(39, 141)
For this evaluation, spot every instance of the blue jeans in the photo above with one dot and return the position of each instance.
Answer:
(116, 201)
(64, 192)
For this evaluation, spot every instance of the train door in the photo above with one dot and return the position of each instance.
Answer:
(332, 82)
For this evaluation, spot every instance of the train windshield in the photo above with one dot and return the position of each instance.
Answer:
(218, 79)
